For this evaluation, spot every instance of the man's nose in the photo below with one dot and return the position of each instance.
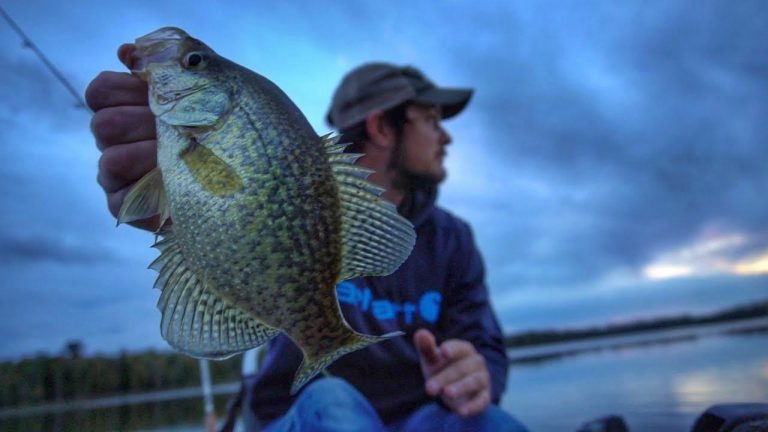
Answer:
(445, 137)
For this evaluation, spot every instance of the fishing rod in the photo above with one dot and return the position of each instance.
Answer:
(27, 43)
(205, 380)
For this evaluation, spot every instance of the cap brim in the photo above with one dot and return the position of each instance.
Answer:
(451, 100)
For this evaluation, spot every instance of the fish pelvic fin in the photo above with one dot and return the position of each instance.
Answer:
(210, 171)
(146, 198)
(375, 238)
(195, 318)
(312, 365)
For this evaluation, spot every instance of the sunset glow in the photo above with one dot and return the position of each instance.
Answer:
(756, 266)
(711, 255)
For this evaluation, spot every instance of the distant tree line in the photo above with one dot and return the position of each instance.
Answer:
(752, 310)
(69, 376)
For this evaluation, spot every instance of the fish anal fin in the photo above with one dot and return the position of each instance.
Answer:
(146, 198)
(210, 171)
(195, 318)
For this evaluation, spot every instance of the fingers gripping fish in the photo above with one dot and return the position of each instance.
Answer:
(267, 216)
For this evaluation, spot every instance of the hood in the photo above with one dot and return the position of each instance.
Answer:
(417, 204)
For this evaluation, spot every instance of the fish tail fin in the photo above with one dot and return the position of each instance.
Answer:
(312, 365)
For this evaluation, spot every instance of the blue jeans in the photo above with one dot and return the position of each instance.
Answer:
(331, 404)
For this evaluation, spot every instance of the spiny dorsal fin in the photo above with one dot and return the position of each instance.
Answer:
(146, 198)
(375, 238)
(195, 319)
(211, 171)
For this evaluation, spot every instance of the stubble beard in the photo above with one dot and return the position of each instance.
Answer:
(407, 179)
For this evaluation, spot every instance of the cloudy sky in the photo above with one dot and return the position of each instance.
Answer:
(613, 162)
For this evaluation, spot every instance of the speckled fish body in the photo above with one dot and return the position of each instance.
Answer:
(266, 216)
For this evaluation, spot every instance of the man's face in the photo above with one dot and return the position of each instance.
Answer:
(422, 147)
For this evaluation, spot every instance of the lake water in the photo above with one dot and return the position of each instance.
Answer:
(660, 386)
(657, 381)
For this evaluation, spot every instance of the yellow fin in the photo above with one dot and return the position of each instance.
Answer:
(375, 238)
(210, 171)
(196, 320)
(146, 198)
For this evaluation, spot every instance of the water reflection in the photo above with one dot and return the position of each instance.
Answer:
(695, 388)
(654, 387)
(706, 386)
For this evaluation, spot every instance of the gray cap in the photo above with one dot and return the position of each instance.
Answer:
(381, 86)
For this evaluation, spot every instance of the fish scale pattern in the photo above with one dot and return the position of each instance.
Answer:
(274, 249)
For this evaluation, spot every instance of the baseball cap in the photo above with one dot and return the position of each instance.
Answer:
(381, 86)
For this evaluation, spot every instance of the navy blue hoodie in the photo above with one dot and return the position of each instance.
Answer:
(439, 287)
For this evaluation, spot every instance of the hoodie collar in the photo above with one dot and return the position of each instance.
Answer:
(417, 204)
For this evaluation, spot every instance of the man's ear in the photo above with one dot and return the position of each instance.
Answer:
(380, 132)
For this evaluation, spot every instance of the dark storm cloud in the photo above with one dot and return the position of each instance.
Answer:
(648, 119)
(41, 215)
(48, 247)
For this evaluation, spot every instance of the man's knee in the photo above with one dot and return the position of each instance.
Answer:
(332, 404)
(435, 417)
(333, 393)
(496, 419)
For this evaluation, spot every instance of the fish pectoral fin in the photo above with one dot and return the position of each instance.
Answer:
(196, 319)
(146, 198)
(375, 238)
(210, 171)
(311, 365)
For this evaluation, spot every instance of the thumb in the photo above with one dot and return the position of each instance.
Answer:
(125, 54)
(426, 346)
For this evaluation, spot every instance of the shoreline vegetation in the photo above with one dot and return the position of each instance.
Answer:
(50, 379)
(47, 380)
(737, 313)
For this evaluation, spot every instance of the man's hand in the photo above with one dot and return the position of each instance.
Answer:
(455, 371)
(124, 129)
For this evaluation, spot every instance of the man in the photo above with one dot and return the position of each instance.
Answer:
(450, 369)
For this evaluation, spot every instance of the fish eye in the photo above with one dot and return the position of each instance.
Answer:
(195, 61)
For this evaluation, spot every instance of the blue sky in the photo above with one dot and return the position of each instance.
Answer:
(613, 161)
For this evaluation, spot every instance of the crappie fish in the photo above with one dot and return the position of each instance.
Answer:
(267, 217)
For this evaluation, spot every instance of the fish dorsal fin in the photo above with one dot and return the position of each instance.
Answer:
(196, 320)
(375, 238)
(213, 174)
(146, 198)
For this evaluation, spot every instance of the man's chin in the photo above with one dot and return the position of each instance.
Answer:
(424, 181)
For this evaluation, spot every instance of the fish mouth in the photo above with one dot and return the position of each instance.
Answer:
(173, 95)
(157, 47)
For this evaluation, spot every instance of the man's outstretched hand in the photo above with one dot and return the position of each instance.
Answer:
(124, 129)
(455, 371)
